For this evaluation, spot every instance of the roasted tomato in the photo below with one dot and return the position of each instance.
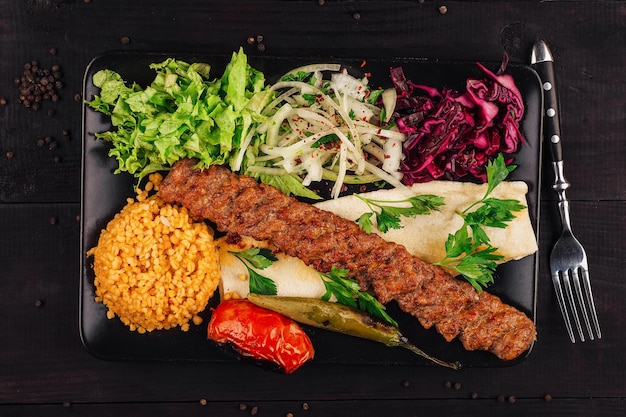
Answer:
(260, 334)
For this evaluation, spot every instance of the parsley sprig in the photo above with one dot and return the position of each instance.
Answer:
(258, 258)
(469, 251)
(348, 292)
(389, 212)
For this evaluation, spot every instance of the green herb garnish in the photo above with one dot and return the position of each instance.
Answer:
(388, 213)
(259, 258)
(348, 292)
(298, 76)
(469, 251)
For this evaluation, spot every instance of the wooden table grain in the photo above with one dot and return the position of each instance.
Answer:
(44, 369)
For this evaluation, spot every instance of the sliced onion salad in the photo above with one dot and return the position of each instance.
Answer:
(323, 125)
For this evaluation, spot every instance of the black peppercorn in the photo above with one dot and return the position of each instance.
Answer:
(38, 84)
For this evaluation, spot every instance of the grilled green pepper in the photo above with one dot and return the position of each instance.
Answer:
(341, 319)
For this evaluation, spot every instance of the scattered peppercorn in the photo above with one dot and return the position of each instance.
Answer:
(125, 40)
(53, 220)
(38, 84)
(251, 40)
(78, 97)
(447, 384)
(474, 395)
(254, 411)
(203, 401)
(356, 15)
(67, 404)
(320, 2)
(53, 51)
(38, 303)
(511, 399)
(305, 406)
(547, 398)
(406, 383)
(51, 112)
(78, 217)
(260, 47)
(259, 38)
(57, 159)
(501, 398)
(41, 142)
(9, 154)
(457, 386)
(289, 415)
(3, 101)
(242, 406)
(443, 9)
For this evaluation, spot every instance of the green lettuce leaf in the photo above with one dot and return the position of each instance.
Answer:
(181, 114)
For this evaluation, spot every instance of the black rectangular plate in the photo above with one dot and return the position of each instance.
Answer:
(104, 194)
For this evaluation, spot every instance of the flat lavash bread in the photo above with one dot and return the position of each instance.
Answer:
(235, 278)
(424, 235)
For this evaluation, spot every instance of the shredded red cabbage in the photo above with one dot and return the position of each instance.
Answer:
(451, 134)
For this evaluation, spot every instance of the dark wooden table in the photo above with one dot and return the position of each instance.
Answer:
(44, 369)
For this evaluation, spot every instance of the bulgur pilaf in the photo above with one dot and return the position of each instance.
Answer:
(155, 268)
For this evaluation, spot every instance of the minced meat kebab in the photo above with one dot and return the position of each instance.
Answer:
(239, 205)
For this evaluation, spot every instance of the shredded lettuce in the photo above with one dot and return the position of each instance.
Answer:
(181, 114)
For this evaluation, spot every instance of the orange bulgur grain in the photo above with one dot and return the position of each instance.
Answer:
(155, 268)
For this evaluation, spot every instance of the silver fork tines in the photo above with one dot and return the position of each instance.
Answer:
(563, 280)
(570, 273)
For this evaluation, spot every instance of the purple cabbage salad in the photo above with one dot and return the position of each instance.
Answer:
(453, 134)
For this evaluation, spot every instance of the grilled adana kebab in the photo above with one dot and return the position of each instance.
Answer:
(238, 205)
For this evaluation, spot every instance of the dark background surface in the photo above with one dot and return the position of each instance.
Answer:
(44, 369)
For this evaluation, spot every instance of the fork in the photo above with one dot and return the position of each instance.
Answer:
(568, 260)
